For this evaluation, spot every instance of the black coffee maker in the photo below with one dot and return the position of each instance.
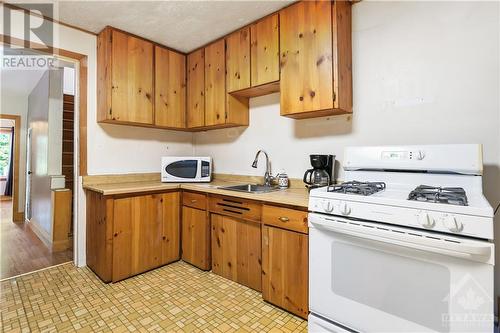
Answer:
(322, 172)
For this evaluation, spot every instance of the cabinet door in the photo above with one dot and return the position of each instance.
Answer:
(285, 269)
(132, 79)
(137, 235)
(195, 237)
(236, 250)
(196, 89)
(265, 53)
(306, 82)
(215, 84)
(170, 88)
(238, 60)
(170, 211)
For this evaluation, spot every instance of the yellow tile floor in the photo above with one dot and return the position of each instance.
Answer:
(174, 298)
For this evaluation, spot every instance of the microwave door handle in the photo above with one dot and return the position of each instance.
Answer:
(419, 243)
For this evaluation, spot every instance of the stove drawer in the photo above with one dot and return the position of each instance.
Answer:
(285, 218)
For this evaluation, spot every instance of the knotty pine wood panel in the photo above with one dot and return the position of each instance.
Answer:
(342, 54)
(99, 231)
(285, 269)
(215, 84)
(104, 85)
(196, 89)
(132, 79)
(236, 251)
(291, 219)
(170, 88)
(238, 60)
(171, 242)
(265, 52)
(196, 237)
(306, 57)
(137, 230)
(195, 200)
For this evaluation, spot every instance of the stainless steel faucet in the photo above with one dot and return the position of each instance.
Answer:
(268, 178)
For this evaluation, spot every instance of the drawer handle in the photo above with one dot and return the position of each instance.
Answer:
(193, 200)
(284, 219)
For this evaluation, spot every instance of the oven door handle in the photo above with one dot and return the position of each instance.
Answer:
(459, 250)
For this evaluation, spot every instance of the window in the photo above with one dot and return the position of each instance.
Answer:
(5, 142)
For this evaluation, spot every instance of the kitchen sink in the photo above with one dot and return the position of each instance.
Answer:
(250, 188)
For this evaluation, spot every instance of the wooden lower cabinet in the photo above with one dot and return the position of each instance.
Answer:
(196, 237)
(130, 235)
(285, 269)
(236, 250)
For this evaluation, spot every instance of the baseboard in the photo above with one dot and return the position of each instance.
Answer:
(18, 216)
(40, 233)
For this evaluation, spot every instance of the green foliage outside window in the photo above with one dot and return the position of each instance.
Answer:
(4, 153)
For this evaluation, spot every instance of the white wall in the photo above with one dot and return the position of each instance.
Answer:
(17, 104)
(423, 73)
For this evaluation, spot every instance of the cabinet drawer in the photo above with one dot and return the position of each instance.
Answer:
(235, 207)
(285, 218)
(195, 200)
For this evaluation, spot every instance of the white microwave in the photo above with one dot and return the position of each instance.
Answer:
(177, 169)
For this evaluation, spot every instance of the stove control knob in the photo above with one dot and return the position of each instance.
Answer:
(425, 220)
(420, 155)
(344, 209)
(327, 206)
(453, 224)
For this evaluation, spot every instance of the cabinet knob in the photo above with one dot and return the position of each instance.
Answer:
(284, 219)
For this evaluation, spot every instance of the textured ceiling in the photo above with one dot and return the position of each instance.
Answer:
(182, 25)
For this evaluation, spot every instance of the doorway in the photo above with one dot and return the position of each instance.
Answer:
(37, 224)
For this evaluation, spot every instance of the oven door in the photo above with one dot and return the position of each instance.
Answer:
(372, 277)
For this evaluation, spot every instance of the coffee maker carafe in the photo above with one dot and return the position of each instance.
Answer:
(322, 172)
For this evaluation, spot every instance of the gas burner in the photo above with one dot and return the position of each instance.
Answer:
(446, 195)
(355, 187)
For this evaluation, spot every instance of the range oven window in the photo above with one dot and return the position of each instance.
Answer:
(183, 169)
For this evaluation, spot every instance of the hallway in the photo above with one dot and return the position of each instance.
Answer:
(20, 249)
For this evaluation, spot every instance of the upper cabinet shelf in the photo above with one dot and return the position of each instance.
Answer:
(302, 51)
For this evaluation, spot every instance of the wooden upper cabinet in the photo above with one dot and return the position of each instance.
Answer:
(132, 79)
(238, 60)
(264, 49)
(215, 84)
(170, 88)
(308, 58)
(196, 89)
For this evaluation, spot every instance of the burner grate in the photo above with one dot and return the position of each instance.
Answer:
(356, 187)
(446, 195)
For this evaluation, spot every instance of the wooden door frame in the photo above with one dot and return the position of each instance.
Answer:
(81, 60)
(16, 216)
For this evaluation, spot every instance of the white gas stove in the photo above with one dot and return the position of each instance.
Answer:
(393, 246)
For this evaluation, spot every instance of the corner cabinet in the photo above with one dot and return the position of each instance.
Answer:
(315, 47)
(209, 104)
(170, 88)
(139, 83)
(128, 235)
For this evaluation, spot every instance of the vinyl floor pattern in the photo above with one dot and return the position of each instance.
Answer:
(174, 298)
